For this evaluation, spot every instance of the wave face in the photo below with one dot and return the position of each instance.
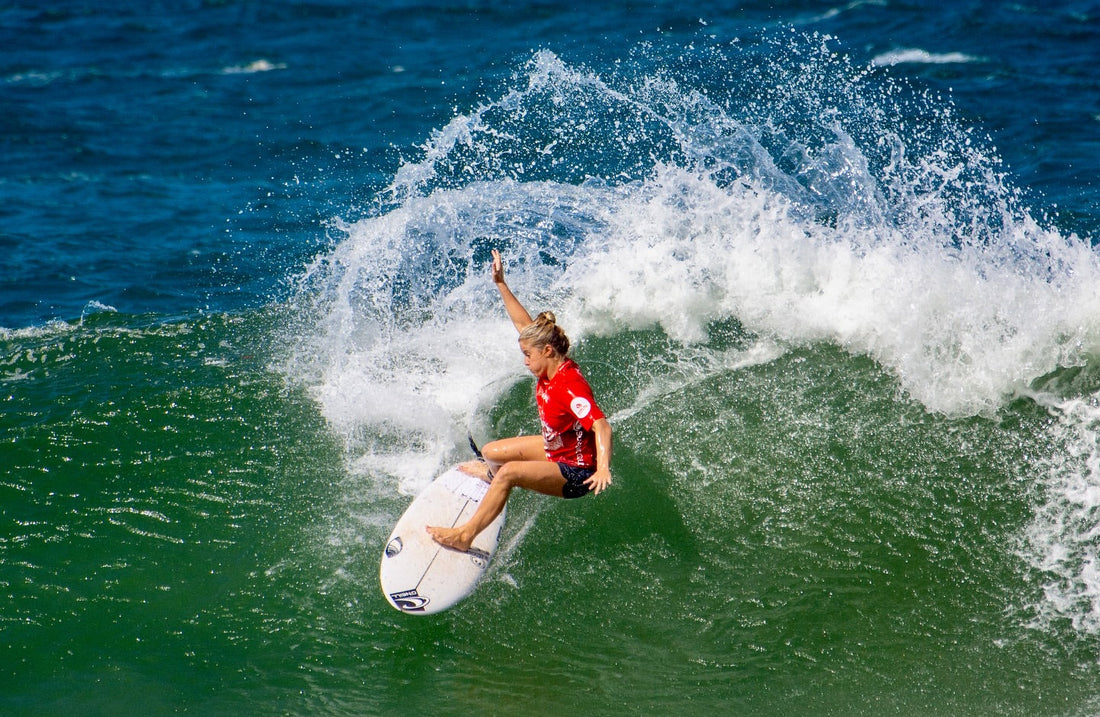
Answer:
(813, 302)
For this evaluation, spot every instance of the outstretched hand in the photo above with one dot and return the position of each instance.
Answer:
(519, 316)
(598, 481)
(498, 268)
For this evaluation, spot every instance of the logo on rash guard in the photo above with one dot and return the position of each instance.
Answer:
(580, 407)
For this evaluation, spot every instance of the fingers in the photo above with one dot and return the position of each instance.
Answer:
(597, 482)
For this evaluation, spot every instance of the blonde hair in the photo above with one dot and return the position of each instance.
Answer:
(544, 331)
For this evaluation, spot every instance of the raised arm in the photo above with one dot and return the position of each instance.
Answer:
(519, 316)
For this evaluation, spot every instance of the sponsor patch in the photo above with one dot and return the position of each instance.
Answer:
(409, 601)
(394, 547)
(580, 406)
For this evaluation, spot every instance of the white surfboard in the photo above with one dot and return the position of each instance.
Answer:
(418, 575)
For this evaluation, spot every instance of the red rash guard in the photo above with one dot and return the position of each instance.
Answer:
(568, 410)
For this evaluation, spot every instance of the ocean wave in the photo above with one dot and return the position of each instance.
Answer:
(253, 67)
(921, 57)
(920, 258)
(809, 202)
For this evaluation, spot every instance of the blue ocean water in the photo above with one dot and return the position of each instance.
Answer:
(177, 158)
(830, 268)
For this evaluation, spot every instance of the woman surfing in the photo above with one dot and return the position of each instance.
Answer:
(571, 458)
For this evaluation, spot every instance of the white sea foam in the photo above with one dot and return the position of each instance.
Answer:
(959, 334)
(922, 57)
(95, 307)
(1063, 539)
(253, 67)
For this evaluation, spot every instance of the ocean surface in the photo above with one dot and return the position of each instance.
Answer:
(832, 270)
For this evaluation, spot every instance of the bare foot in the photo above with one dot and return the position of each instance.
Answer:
(450, 538)
(478, 469)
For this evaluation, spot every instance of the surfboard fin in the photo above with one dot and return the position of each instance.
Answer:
(477, 452)
(473, 446)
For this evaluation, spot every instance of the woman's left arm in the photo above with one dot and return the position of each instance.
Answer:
(602, 477)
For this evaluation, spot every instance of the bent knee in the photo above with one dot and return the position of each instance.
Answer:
(507, 474)
(495, 452)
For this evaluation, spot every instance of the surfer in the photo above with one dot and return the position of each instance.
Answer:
(571, 458)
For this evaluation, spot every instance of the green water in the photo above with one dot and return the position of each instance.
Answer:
(182, 532)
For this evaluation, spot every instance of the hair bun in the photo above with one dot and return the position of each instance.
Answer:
(544, 331)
